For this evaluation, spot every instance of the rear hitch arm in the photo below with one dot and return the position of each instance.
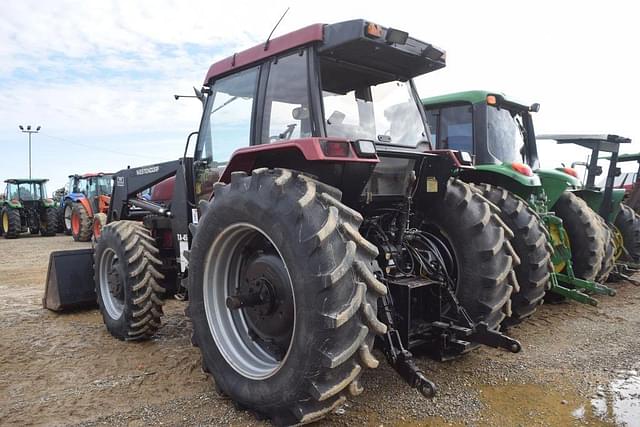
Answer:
(479, 333)
(400, 358)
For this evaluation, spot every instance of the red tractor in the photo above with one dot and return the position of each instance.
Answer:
(312, 218)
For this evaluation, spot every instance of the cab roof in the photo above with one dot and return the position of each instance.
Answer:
(471, 97)
(91, 175)
(25, 180)
(389, 50)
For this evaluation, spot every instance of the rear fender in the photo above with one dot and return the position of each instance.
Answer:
(557, 182)
(248, 158)
(85, 202)
(503, 175)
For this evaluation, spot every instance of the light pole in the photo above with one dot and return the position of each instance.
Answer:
(29, 131)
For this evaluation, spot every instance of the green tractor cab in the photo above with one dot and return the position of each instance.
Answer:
(499, 135)
(24, 207)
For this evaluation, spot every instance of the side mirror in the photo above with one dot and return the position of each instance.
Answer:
(300, 113)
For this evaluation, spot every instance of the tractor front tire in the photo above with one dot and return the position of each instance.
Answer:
(531, 244)
(585, 236)
(49, 227)
(628, 222)
(67, 211)
(11, 224)
(296, 357)
(81, 223)
(483, 257)
(126, 280)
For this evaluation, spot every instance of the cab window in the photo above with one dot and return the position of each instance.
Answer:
(455, 128)
(286, 109)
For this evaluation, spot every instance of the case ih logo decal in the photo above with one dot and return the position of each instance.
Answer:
(146, 171)
(120, 181)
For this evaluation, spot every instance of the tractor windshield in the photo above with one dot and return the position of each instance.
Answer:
(386, 113)
(25, 191)
(505, 134)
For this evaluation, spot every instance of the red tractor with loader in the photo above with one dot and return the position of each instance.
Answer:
(312, 222)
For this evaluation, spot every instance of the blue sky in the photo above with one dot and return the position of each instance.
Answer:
(99, 76)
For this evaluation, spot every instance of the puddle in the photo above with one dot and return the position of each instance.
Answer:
(614, 404)
(619, 401)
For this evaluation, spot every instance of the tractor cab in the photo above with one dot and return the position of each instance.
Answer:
(27, 192)
(330, 97)
(630, 181)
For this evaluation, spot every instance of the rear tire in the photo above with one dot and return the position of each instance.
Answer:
(81, 223)
(329, 266)
(126, 275)
(628, 222)
(585, 237)
(50, 226)
(531, 244)
(485, 259)
(11, 223)
(608, 259)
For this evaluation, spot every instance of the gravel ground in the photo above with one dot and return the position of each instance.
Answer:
(579, 365)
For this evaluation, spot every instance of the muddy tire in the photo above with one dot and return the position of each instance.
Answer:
(321, 273)
(60, 219)
(49, 226)
(99, 221)
(11, 224)
(585, 236)
(532, 247)
(628, 222)
(126, 280)
(67, 211)
(483, 257)
(81, 223)
(608, 259)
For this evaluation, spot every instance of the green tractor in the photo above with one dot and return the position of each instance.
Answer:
(562, 239)
(24, 207)
(621, 220)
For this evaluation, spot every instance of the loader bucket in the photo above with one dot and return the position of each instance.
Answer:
(70, 283)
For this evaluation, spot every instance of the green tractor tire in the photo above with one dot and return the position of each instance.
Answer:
(585, 235)
(11, 225)
(608, 260)
(49, 226)
(532, 247)
(628, 223)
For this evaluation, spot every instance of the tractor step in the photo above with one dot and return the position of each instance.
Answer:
(70, 283)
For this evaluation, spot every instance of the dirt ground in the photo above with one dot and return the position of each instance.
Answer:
(579, 365)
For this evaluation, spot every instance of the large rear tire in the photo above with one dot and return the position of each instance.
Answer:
(81, 223)
(585, 236)
(484, 259)
(608, 258)
(628, 222)
(319, 272)
(531, 244)
(49, 226)
(11, 224)
(126, 275)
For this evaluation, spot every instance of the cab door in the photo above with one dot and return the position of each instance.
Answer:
(227, 125)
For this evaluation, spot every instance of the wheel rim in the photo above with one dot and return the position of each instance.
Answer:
(75, 223)
(111, 284)
(557, 238)
(67, 217)
(243, 263)
(5, 222)
(618, 243)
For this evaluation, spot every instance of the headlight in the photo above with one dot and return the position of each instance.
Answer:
(365, 148)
